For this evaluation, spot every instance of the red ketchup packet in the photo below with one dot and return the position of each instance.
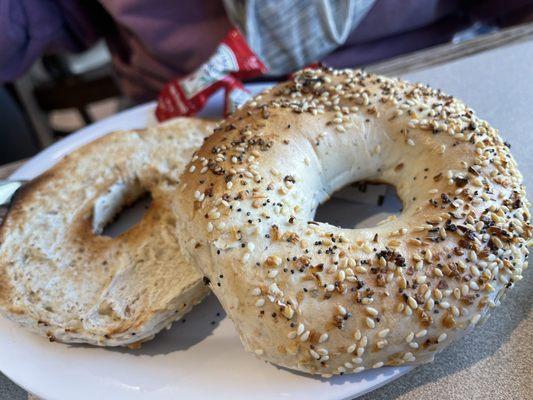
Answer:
(235, 95)
(233, 60)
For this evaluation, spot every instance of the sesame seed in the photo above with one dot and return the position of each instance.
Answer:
(371, 311)
(383, 333)
(475, 319)
(273, 261)
(341, 275)
(323, 338)
(340, 128)
(473, 285)
(412, 302)
(370, 322)
(421, 333)
(322, 351)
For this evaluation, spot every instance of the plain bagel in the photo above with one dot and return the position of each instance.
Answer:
(61, 279)
(317, 298)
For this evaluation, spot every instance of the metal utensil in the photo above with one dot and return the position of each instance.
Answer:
(7, 191)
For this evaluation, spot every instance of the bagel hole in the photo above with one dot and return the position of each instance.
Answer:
(129, 216)
(120, 209)
(360, 204)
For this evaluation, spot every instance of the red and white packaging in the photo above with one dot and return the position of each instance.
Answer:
(232, 61)
(235, 95)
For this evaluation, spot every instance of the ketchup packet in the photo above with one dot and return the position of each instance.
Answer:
(233, 60)
(235, 95)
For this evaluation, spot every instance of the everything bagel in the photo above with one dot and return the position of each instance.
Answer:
(61, 279)
(317, 298)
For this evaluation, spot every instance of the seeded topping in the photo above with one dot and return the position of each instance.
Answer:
(332, 301)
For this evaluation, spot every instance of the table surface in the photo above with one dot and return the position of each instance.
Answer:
(495, 360)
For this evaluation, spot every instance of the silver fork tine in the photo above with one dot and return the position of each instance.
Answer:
(7, 191)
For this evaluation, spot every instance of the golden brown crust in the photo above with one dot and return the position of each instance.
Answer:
(63, 280)
(320, 299)
(14, 211)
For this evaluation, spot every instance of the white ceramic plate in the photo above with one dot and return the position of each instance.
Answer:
(199, 358)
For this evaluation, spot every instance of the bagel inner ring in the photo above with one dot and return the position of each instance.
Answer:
(108, 206)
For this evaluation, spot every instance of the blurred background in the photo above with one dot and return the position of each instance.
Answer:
(65, 64)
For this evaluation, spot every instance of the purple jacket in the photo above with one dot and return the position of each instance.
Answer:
(154, 41)
(150, 42)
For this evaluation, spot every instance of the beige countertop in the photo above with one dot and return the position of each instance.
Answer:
(495, 361)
